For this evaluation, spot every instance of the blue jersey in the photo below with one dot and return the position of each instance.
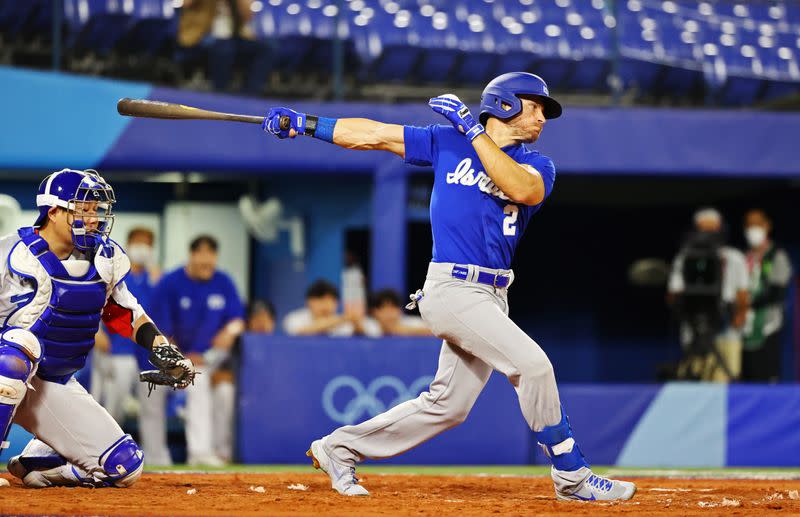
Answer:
(139, 286)
(472, 221)
(192, 311)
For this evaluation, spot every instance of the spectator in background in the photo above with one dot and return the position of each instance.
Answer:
(141, 281)
(702, 363)
(261, 318)
(119, 379)
(320, 317)
(770, 272)
(223, 28)
(385, 308)
(198, 306)
(354, 291)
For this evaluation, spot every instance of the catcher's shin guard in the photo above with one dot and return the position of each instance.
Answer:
(123, 462)
(20, 353)
(39, 466)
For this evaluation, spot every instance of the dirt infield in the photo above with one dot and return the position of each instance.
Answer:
(231, 494)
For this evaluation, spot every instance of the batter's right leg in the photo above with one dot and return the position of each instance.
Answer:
(459, 380)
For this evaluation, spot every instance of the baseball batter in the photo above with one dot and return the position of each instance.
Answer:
(58, 279)
(487, 186)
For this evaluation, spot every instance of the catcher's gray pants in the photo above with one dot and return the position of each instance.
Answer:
(68, 419)
(479, 337)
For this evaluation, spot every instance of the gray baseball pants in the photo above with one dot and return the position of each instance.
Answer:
(70, 421)
(479, 337)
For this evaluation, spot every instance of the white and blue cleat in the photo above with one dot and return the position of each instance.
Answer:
(598, 488)
(343, 477)
(40, 466)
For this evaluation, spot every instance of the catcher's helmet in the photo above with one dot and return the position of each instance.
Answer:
(507, 88)
(69, 189)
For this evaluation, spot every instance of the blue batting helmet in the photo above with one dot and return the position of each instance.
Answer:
(69, 189)
(507, 88)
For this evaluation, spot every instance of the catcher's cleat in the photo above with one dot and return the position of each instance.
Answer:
(343, 477)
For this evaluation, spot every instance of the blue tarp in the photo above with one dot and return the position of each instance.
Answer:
(53, 120)
(295, 390)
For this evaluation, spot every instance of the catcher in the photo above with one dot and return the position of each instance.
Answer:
(58, 279)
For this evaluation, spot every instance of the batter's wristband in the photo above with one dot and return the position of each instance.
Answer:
(322, 127)
(311, 125)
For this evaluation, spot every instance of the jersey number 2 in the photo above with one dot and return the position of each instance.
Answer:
(510, 220)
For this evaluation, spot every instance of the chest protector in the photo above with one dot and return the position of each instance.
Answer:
(65, 307)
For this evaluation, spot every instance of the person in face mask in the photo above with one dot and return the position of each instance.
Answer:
(769, 272)
(120, 376)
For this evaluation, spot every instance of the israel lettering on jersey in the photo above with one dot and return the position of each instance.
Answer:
(472, 220)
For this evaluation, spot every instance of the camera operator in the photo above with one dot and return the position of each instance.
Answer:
(770, 272)
(708, 291)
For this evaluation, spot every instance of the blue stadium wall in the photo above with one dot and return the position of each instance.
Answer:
(323, 384)
(57, 119)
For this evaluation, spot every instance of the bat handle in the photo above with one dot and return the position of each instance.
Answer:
(285, 123)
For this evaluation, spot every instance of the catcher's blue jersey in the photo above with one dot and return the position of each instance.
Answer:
(472, 221)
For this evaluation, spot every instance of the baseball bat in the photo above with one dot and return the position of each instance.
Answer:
(167, 110)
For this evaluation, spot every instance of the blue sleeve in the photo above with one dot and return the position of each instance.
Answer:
(160, 304)
(420, 144)
(233, 305)
(546, 168)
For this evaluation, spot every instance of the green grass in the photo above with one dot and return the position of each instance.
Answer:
(504, 470)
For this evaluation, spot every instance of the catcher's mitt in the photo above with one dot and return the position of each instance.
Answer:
(174, 369)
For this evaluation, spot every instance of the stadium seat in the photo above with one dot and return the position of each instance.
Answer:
(732, 45)
(96, 25)
(14, 15)
(290, 28)
(639, 74)
(741, 91)
(153, 27)
(383, 43)
(477, 57)
(777, 90)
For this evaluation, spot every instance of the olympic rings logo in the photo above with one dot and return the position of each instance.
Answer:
(365, 399)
